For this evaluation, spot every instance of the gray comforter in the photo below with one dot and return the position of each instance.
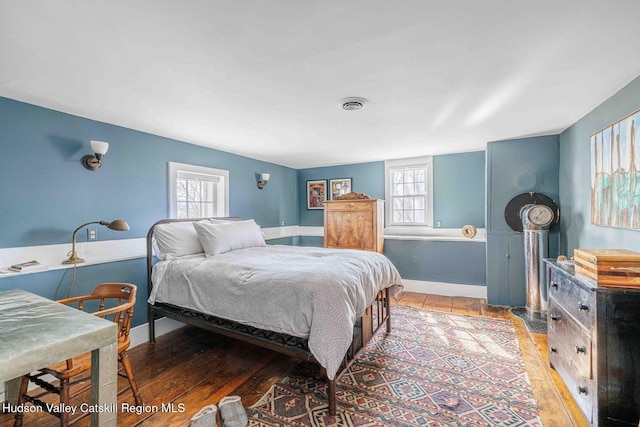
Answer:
(312, 293)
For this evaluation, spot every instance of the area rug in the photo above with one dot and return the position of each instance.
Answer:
(434, 369)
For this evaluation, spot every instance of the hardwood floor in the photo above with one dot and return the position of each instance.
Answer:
(191, 368)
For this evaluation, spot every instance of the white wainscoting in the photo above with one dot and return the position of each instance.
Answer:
(53, 255)
(123, 249)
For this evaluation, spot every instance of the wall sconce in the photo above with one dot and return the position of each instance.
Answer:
(264, 178)
(118, 225)
(94, 162)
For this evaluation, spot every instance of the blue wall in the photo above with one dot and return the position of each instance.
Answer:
(518, 166)
(575, 176)
(366, 178)
(438, 261)
(458, 189)
(47, 193)
(459, 199)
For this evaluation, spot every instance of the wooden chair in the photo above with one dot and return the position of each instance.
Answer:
(113, 301)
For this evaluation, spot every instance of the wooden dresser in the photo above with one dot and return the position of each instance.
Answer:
(354, 224)
(594, 345)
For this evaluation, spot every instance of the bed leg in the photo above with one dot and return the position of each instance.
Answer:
(389, 324)
(332, 397)
(152, 326)
(387, 303)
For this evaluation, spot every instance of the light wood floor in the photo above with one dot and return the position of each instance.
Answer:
(192, 368)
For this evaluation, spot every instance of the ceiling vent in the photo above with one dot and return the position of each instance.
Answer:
(353, 103)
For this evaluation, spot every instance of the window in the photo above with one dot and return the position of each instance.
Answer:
(408, 192)
(197, 191)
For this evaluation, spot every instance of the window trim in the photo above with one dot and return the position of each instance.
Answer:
(415, 162)
(220, 174)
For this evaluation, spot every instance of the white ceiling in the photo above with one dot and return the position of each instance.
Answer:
(264, 78)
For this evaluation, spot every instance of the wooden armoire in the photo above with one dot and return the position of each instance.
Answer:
(354, 222)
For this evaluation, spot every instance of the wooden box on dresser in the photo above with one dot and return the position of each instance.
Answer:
(354, 224)
(594, 344)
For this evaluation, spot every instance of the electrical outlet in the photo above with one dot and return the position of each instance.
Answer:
(282, 222)
(92, 234)
(438, 224)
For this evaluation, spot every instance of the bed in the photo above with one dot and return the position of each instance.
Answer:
(320, 305)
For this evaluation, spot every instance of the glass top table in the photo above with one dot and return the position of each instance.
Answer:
(36, 332)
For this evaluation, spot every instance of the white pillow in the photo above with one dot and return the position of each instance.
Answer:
(219, 221)
(217, 239)
(176, 239)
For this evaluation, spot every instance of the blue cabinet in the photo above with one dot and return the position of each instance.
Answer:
(505, 269)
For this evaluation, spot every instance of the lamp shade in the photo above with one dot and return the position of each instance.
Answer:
(100, 147)
(118, 225)
(265, 176)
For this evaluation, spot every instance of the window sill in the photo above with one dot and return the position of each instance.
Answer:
(433, 234)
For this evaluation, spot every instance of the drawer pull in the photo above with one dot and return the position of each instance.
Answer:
(553, 350)
(556, 317)
(583, 306)
(582, 390)
(554, 285)
(581, 349)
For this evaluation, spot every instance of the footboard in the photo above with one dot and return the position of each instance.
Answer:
(375, 316)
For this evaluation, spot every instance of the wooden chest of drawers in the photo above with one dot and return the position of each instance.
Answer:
(594, 345)
(354, 224)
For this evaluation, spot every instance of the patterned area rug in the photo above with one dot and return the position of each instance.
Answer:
(434, 369)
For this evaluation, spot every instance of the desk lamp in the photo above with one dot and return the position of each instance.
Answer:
(118, 225)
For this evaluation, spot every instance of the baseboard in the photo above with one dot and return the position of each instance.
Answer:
(445, 289)
(140, 334)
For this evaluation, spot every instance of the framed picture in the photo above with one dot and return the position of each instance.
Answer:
(339, 186)
(614, 192)
(316, 194)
